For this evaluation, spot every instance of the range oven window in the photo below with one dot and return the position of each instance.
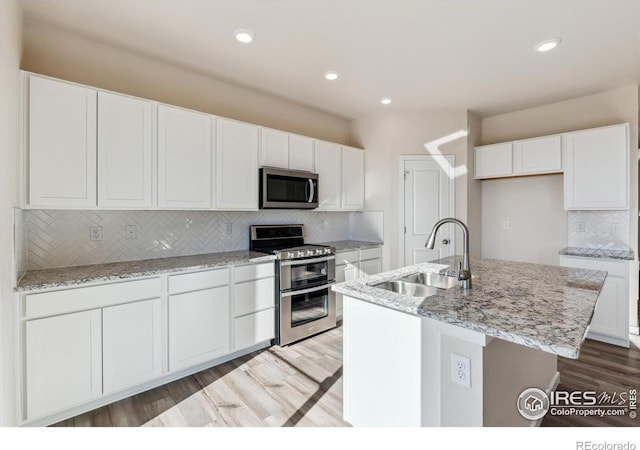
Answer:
(309, 274)
(309, 306)
(289, 189)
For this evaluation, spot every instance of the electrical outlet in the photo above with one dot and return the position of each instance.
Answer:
(228, 227)
(131, 231)
(581, 227)
(323, 224)
(461, 370)
(506, 225)
(95, 233)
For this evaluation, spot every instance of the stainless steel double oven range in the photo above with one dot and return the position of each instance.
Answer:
(305, 303)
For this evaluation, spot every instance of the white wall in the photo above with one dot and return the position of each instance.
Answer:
(56, 53)
(10, 53)
(389, 135)
(535, 203)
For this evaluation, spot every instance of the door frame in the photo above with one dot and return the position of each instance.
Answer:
(447, 162)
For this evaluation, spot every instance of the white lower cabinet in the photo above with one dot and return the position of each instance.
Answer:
(86, 346)
(63, 362)
(355, 264)
(198, 327)
(132, 344)
(253, 305)
(610, 322)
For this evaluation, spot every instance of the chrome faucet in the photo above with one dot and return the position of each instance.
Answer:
(464, 271)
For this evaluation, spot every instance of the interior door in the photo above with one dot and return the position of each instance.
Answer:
(428, 197)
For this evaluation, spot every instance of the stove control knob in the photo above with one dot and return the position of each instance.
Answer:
(310, 252)
(300, 254)
(318, 251)
(291, 255)
(327, 251)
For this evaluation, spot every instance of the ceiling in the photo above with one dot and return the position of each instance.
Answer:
(424, 54)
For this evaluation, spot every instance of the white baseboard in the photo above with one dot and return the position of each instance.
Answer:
(555, 381)
(609, 339)
(634, 330)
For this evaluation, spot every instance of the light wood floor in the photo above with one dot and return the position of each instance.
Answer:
(301, 385)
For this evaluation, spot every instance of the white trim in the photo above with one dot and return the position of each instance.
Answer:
(555, 381)
(634, 330)
(450, 159)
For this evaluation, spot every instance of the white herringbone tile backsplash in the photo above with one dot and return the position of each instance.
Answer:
(603, 229)
(57, 238)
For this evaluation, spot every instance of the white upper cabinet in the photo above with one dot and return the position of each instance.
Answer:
(328, 165)
(352, 178)
(493, 160)
(236, 165)
(597, 168)
(539, 155)
(125, 151)
(184, 159)
(61, 144)
(300, 153)
(274, 148)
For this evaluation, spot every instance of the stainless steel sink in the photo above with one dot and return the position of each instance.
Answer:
(432, 279)
(422, 284)
(405, 288)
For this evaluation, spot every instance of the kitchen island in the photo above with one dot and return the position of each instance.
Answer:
(401, 353)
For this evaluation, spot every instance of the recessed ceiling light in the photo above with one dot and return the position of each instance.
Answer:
(547, 45)
(244, 36)
(385, 101)
(331, 75)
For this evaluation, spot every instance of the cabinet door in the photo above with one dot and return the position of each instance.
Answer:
(300, 153)
(124, 152)
(132, 344)
(274, 148)
(254, 328)
(352, 178)
(184, 159)
(597, 168)
(62, 144)
(328, 165)
(63, 362)
(540, 155)
(236, 165)
(493, 160)
(370, 267)
(609, 317)
(198, 327)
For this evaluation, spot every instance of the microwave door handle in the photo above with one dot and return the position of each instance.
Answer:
(312, 191)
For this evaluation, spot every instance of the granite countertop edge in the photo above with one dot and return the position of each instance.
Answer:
(42, 279)
(598, 253)
(351, 244)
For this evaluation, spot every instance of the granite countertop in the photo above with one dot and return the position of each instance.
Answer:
(599, 253)
(78, 275)
(544, 307)
(343, 246)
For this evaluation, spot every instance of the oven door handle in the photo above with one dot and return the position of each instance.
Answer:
(306, 291)
(301, 262)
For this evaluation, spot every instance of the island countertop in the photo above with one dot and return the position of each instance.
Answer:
(544, 307)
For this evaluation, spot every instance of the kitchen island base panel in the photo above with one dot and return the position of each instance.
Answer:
(397, 372)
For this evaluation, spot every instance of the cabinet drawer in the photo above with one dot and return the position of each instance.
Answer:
(198, 280)
(254, 328)
(370, 253)
(253, 296)
(253, 272)
(615, 268)
(81, 299)
(347, 257)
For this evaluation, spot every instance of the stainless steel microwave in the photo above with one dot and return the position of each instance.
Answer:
(288, 189)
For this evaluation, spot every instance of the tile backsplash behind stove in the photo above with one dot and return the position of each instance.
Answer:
(57, 238)
(602, 229)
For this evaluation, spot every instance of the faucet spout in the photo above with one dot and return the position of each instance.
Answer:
(464, 270)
